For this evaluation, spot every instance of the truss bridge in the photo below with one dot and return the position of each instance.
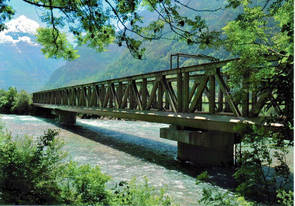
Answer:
(195, 100)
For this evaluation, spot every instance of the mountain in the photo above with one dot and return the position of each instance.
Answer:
(22, 63)
(87, 68)
(117, 61)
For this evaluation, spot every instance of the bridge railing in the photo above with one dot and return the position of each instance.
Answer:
(192, 89)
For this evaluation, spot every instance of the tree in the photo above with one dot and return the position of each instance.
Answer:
(22, 103)
(13, 102)
(8, 100)
(98, 23)
(263, 39)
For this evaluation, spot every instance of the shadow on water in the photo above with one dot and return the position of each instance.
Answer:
(222, 177)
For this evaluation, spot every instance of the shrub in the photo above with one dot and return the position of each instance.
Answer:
(3, 103)
(259, 176)
(23, 103)
(133, 194)
(29, 171)
(285, 197)
(84, 185)
(213, 197)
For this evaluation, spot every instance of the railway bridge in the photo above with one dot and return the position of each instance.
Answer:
(194, 100)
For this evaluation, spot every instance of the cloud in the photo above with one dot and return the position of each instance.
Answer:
(21, 25)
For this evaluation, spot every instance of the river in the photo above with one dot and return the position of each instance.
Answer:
(124, 150)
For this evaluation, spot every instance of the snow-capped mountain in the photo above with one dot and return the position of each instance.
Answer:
(22, 63)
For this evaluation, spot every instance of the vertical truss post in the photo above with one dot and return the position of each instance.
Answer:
(160, 97)
(179, 92)
(185, 92)
(120, 93)
(220, 101)
(211, 94)
(144, 93)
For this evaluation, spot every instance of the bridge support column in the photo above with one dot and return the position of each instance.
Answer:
(206, 148)
(66, 118)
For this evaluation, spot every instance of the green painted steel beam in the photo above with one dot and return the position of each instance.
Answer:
(212, 122)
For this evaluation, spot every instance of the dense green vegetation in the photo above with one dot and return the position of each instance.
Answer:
(262, 36)
(37, 172)
(13, 102)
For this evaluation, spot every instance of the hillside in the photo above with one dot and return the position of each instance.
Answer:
(117, 61)
(87, 68)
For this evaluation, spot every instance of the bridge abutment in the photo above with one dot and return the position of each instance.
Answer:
(65, 117)
(206, 148)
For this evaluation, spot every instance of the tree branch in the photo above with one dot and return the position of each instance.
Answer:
(126, 28)
(197, 10)
(44, 5)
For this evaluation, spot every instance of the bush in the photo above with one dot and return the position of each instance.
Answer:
(259, 176)
(84, 185)
(285, 197)
(23, 103)
(36, 173)
(29, 171)
(143, 195)
(213, 197)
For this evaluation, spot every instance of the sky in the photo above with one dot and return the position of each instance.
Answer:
(22, 8)
(26, 21)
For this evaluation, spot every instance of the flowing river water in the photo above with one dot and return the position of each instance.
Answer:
(124, 150)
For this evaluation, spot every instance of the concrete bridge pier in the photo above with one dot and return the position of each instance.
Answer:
(204, 148)
(65, 117)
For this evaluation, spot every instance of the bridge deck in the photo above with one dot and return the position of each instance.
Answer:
(222, 123)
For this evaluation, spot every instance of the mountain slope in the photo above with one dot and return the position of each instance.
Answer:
(22, 63)
(87, 68)
(118, 62)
